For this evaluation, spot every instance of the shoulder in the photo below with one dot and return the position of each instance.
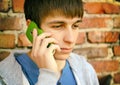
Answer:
(77, 58)
(81, 62)
(10, 66)
(83, 68)
(10, 59)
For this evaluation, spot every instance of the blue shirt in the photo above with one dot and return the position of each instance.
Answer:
(31, 71)
(67, 77)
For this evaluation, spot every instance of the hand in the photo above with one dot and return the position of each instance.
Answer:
(43, 55)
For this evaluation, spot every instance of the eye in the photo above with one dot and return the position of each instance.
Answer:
(75, 26)
(57, 26)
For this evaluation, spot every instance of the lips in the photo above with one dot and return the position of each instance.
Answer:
(66, 50)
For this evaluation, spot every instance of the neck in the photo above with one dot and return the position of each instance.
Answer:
(61, 64)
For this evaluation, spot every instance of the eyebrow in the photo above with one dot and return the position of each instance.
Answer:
(79, 21)
(53, 22)
(61, 22)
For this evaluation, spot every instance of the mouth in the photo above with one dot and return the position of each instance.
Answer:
(66, 50)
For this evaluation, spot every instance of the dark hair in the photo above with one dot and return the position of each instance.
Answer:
(37, 10)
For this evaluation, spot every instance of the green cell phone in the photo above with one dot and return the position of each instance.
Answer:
(30, 28)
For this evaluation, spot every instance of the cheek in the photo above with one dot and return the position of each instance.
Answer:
(57, 36)
(76, 35)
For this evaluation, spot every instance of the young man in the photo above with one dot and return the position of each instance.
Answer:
(54, 64)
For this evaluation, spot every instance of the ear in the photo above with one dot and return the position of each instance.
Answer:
(28, 22)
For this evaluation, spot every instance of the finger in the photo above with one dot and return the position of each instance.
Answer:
(47, 42)
(34, 38)
(34, 35)
(53, 48)
(38, 40)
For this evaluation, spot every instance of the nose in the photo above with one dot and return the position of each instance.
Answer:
(69, 36)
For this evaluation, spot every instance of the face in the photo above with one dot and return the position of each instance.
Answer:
(65, 30)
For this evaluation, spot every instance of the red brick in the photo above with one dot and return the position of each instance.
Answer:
(81, 38)
(92, 52)
(101, 8)
(4, 5)
(111, 8)
(95, 22)
(117, 50)
(105, 66)
(96, 36)
(100, 37)
(18, 5)
(23, 41)
(117, 78)
(111, 37)
(7, 41)
(93, 7)
(10, 23)
(117, 22)
(3, 55)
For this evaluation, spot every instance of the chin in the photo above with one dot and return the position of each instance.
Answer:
(61, 56)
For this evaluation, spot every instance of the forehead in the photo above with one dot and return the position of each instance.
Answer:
(59, 16)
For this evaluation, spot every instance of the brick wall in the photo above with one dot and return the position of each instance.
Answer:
(99, 37)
